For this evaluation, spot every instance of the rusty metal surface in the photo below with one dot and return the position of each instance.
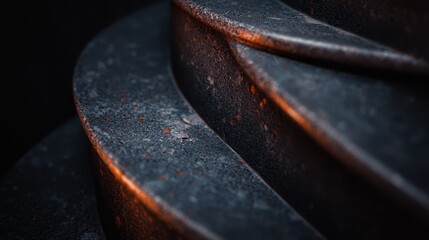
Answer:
(373, 125)
(162, 172)
(274, 138)
(50, 193)
(273, 25)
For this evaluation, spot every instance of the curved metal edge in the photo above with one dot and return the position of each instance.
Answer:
(368, 54)
(155, 205)
(337, 144)
(178, 221)
(128, 184)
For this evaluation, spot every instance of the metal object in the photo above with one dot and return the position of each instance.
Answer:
(272, 25)
(50, 193)
(275, 112)
(161, 171)
(375, 127)
(343, 148)
(287, 127)
(399, 24)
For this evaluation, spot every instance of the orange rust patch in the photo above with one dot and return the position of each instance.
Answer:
(249, 36)
(180, 172)
(263, 103)
(252, 89)
(238, 117)
(231, 122)
(162, 178)
(166, 130)
(240, 161)
(141, 118)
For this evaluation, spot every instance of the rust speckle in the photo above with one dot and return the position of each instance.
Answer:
(180, 173)
(141, 118)
(231, 122)
(240, 161)
(162, 178)
(252, 89)
(238, 117)
(263, 103)
(166, 130)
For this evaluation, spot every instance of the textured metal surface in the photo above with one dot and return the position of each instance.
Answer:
(50, 194)
(376, 127)
(162, 172)
(270, 137)
(400, 24)
(272, 25)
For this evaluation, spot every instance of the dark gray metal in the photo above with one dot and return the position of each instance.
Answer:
(373, 125)
(273, 137)
(161, 171)
(402, 25)
(50, 194)
(272, 25)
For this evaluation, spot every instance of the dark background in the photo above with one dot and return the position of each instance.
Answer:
(42, 42)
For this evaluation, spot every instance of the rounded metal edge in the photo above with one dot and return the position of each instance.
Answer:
(155, 205)
(338, 145)
(375, 57)
(168, 215)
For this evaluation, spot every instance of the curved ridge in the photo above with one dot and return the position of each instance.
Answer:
(388, 170)
(158, 148)
(281, 29)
